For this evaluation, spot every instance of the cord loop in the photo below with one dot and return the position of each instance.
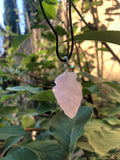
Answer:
(55, 33)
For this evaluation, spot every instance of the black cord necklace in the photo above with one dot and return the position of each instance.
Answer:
(66, 84)
(55, 33)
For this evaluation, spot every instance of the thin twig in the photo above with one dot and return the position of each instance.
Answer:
(33, 84)
(86, 155)
(78, 57)
(110, 50)
(34, 129)
(79, 14)
(97, 58)
(92, 12)
(85, 58)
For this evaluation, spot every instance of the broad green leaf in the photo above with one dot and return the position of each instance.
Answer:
(104, 36)
(2, 125)
(20, 54)
(47, 150)
(44, 96)
(114, 111)
(47, 64)
(50, 10)
(49, 36)
(92, 4)
(94, 89)
(11, 141)
(95, 125)
(51, 1)
(25, 88)
(91, 77)
(60, 31)
(3, 73)
(100, 80)
(88, 87)
(113, 85)
(34, 66)
(28, 122)
(114, 96)
(31, 58)
(5, 97)
(9, 131)
(45, 106)
(3, 63)
(28, 112)
(112, 120)
(83, 144)
(20, 154)
(103, 49)
(6, 120)
(66, 130)
(87, 84)
(102, 137)
(39, 26)
(18, 40)
(4, 111)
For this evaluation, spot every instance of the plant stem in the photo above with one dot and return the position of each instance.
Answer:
(70, 157)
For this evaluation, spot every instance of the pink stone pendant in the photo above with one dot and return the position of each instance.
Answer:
(68, 92)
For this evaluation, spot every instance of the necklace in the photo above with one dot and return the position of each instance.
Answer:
(68, 91)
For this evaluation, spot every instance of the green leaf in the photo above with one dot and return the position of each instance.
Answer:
(20, 154)
(112, 120)
(92, 4)
(11, 141)
(28, 112)
(114, 111)
(39, 26)
(5, 97)
(3, 73)
(18, 40)
(47, 150)
(44, 96)
(2, 125)
(94, 89)
(20, 54)
(60, 31)
(83, 144)
(104, 36)
(103, 49)
(49, 36)
(67, 130)
(3, 62)
(51, 1)
(49, 9)
(45, 106)
(25, 88)
(102, 137)
(100, 80)
(27, 122)
(9, 131)
(7, 111)
(113, 85)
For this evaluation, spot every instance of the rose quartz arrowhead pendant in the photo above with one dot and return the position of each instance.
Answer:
(68, 92)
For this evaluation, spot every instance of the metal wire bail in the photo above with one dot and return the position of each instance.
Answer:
(66, 64)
